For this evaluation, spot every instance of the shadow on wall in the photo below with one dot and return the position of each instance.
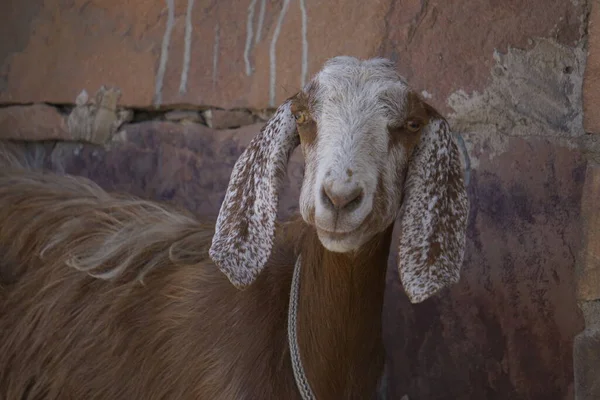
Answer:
(506, 331)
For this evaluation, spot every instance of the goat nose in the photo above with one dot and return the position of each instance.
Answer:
(342, 198)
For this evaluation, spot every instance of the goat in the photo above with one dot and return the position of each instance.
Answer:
(106, 296)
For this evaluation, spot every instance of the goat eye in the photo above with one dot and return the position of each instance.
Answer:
(413, 125)
(301, 117)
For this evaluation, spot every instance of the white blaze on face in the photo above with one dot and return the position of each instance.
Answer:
(351, 158)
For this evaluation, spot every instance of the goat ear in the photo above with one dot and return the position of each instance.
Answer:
(245, 227)
(433, 213)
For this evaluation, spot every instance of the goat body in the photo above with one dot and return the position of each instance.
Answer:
(182, 331)
(110, 297)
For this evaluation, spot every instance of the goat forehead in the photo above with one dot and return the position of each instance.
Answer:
(351, 111)
(342, 68)
(357, 90)
(351, 74)
(347, 89)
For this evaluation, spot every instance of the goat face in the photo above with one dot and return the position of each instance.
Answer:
(373, 151)
(358, 124)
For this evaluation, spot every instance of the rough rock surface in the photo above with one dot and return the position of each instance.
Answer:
(591, 89)
(588, 273)
(251, 53)
(224, 119)
(586, 353)
(189, 164)
(506, 330)
(36, 122)
(532, 93)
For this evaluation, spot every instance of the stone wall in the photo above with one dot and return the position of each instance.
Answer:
(197, 78)
(586, 352)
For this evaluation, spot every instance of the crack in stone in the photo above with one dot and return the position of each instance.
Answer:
(177, 113)
(383, 47)
(416, 23)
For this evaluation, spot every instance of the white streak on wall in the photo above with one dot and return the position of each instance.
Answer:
(187, 49)
(216, 55)
(261, 20)
(164, 54)
(249, 37)
(273, 55)
(304, 72)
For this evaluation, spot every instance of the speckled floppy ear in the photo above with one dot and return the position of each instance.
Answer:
(245, 227)
(434, 214)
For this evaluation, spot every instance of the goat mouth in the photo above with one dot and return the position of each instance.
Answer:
(341, 242)
(335, 235)
(338, 235)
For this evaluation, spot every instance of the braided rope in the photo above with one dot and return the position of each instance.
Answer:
(299, 374)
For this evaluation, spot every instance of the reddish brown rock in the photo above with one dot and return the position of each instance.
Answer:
(506, 331)
(591, 85)
(184, 116)
(60, 48)
(76, 45)
(588, 277)
(227, 119)
(442, 46)
(36, 122)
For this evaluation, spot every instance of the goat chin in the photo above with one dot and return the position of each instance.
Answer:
(111, 297)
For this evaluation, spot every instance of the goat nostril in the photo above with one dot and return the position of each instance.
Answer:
(326, 199)
(356, 200)
(344, 200)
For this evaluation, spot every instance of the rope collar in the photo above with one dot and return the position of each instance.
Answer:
(299, 374)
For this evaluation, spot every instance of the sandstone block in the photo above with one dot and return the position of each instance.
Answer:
(588, 273)
(586, 355)
(254, 54)
(591, 82)
(35, 122)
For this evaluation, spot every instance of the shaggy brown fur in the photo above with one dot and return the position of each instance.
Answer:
(164, 322)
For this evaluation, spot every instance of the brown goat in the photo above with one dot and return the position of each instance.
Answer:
(105, 296)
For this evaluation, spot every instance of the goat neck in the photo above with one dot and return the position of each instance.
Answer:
(339, 317)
